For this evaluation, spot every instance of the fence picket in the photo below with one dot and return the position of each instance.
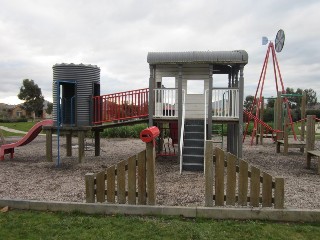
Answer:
(121, 182)
(219, 177)
(231, 179)
(100, 187)
(111, 184)
(90, 196)
(279, 193)
(132, 180)
(142, 178)
(267, 190)
(243, 183)
(255, 187)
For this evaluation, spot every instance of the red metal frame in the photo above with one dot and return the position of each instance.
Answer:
(257, 102)
(121, 106)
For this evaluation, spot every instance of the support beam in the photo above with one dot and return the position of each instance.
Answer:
(151, 94)
(97, 143)
(209, 119)
(180, 97)
(240, 128)
(69, 144)
(303, 115)
(81, 135)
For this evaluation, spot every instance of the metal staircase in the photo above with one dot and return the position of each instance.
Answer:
(193, 149)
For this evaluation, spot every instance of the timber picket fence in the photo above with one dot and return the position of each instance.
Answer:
(235, 190)
(131, 181)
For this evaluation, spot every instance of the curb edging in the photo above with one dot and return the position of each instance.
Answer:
(286, 215)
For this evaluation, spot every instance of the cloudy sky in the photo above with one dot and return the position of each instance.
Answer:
(117, 35)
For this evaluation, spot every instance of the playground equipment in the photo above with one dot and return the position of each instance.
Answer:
(32, 134)
(257, 102)
(195, 113)
(187, 117)
(308, 145)
(74, 85)
(276, 133)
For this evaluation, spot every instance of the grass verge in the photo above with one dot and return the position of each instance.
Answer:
(21, 126)
(18, 224)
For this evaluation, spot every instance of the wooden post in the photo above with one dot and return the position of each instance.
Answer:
(310, 140)
(279, 116)
(303, 115)
(142, 178)
(69, 144)
(90, 196)
(97, 143)
(151, 189)
(49, 145)
(285, 137)
(208, 174)
(81, 146)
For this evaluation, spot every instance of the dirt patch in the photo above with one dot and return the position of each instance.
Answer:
(28, 176)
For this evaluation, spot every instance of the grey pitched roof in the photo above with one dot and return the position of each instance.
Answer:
(215, 57)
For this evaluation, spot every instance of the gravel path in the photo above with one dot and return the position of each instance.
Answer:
(28, 176)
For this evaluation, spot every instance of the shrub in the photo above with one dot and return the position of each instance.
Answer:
(124, 131)
(313, 112)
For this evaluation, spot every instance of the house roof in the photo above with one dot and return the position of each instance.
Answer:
(214, 57)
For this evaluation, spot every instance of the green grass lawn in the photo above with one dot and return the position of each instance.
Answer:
(21, 126)
(17, 224)
(10, 134)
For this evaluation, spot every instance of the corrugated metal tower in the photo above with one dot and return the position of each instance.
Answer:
(74, 85)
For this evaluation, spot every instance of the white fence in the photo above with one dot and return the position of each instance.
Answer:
(166, 102)
(225, 103)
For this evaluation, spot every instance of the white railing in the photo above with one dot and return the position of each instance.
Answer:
(166, 102)
(225, 103)
(182, 129)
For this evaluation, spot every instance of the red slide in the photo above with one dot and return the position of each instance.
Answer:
(32, 134)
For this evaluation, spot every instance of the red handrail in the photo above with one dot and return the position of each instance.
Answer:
(120, 106)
